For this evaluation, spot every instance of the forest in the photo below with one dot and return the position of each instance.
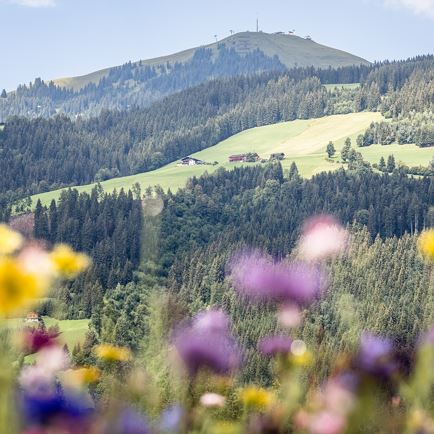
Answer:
(53, 153)
(187, 247)
(248, 301)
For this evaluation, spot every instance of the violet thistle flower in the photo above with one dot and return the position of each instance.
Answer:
(375, 355)
(131, 422)
(207, 343)
(272, 346)
(262, 280)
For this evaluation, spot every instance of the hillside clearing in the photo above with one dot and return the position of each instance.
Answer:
(302, 141)
(73, 332)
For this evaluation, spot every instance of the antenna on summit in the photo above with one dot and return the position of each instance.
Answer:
(257, 25)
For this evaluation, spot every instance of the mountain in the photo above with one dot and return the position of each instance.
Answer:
(139, 84)
(291, 50)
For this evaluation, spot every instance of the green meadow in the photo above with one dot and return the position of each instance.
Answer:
(303, 142)
(72, 331)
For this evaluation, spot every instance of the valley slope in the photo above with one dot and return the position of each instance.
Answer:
(302, 141)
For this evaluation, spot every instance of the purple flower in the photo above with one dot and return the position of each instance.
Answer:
(256, 277)
(42, 408)
(214, 320)
(35, 339)
(207, 343)
(131, 422)
(375, 355)
(428, 337)
(273, 345)
(171, 419)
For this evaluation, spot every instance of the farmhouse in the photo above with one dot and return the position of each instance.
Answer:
(277, 156)
(190, 161)
(250, 157)
(32, 317)
(238, 157)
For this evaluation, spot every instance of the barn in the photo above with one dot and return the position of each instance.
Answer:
(190, 161)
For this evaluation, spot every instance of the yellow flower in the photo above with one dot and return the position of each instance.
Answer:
(18, 287)
(426, 243)
(256, 397)
(79, 378)
(304, 359)
(10, 241)
(87, 375)
(68, 263)
(111, 353)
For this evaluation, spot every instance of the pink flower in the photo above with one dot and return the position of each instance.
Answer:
(35, 339)
(36, 261)
(52, 359)
(212, 400)
(322, 237)
(289, 316)
(326, 422)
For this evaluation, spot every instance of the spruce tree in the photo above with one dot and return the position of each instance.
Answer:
(331, 149)
(391, 165)
(346, 150)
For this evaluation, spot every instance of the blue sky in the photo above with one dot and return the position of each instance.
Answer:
(55, 38)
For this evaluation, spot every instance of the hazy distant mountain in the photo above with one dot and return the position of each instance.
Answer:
(138, 84)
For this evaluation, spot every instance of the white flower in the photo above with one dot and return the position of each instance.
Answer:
(52, 360)
(212, 400)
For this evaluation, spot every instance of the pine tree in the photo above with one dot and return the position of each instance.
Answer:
(346, 150)
(4, 94)
(331, 150)
(382, 164)
(391, 165)
(293, 171)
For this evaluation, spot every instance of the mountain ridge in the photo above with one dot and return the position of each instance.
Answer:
(291, 50)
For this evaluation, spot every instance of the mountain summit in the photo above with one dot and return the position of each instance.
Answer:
(291, 50)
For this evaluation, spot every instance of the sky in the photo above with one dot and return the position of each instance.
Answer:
(61, 38)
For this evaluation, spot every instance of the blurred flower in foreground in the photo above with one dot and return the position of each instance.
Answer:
(289, 316)
(255, 397)
(300, 356)
(426, 243)
(131, 422)
(273, 345)
(34, 339)
(36, 260)
(207, 343)
(333, 404)
(18, 288)
(67, 262)
(375, 355)
(110, 353)
(10, 241)
(256, 277)
(326, 422)
(322, 237)
(43, 400)
(78, 378)
(212, 400)
(171, 419)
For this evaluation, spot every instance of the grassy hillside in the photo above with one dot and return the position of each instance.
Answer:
(291, 50)
(72, 331)
(303, 141)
